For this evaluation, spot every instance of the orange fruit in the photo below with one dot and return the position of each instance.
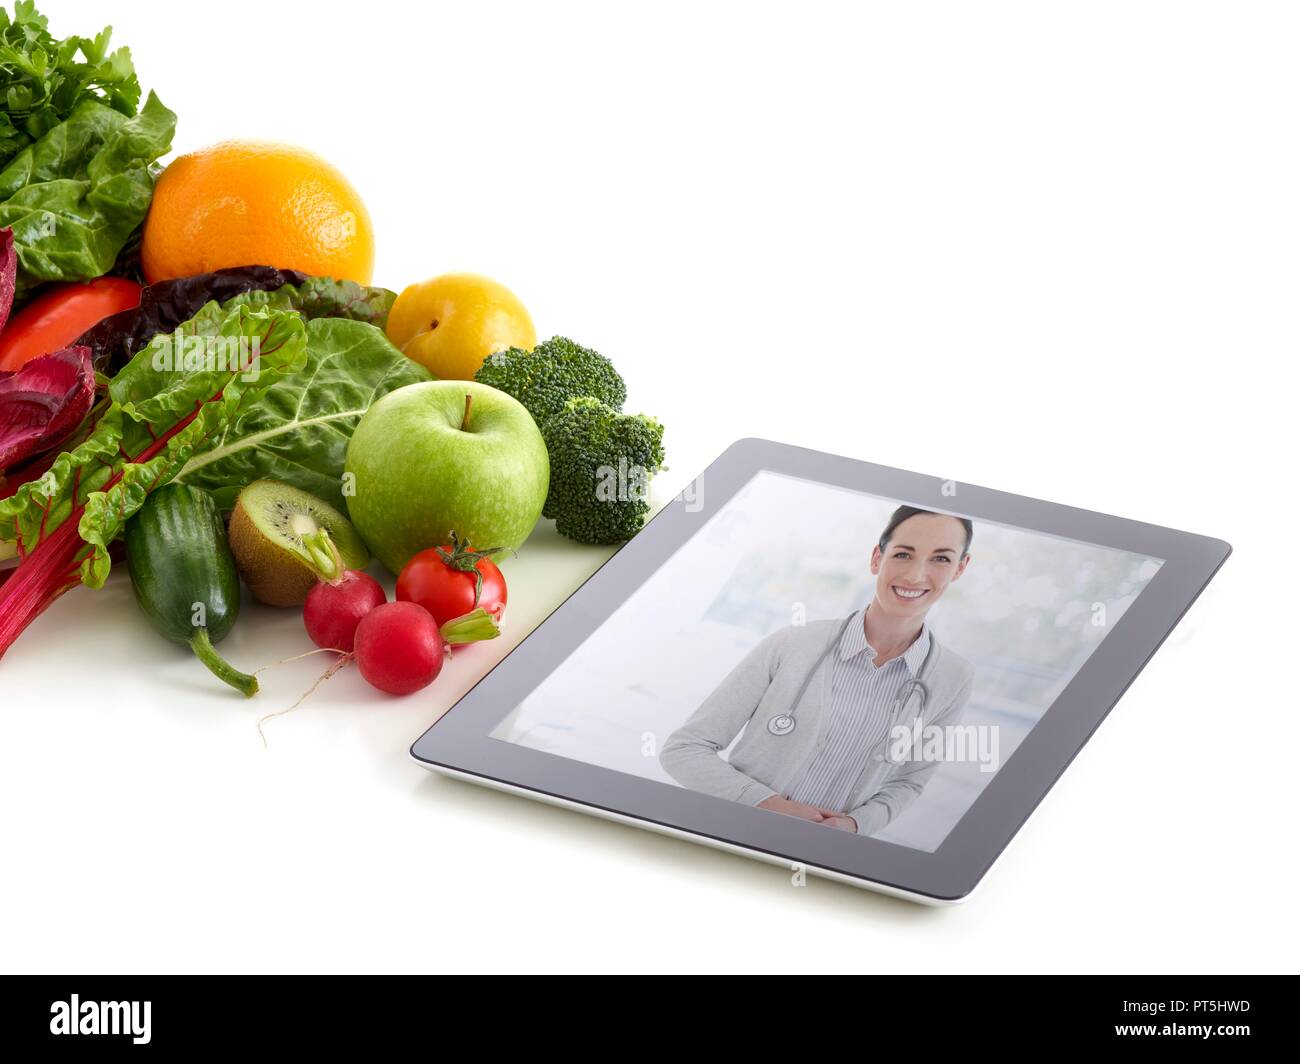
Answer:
(256, 203)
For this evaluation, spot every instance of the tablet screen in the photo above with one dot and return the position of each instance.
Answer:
(831, 654)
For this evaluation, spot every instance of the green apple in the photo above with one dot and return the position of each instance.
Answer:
(440, 456)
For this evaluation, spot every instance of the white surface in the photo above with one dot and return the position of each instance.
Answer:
(1047, 249)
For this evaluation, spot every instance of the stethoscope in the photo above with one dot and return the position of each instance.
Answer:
(783, 723)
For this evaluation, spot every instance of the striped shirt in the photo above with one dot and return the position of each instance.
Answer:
(861, 707)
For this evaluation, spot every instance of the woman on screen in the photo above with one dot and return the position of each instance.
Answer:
(818, 702)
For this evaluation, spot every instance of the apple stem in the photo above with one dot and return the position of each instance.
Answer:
(464, 422)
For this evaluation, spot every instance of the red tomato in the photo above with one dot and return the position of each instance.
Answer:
(446, 582)
(55, 318)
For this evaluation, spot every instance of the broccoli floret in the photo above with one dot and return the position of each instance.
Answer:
(601, 465)
(554, 372)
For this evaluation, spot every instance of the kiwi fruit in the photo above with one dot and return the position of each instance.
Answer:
(281, 536)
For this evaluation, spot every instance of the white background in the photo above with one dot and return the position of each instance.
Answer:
(1050, 249)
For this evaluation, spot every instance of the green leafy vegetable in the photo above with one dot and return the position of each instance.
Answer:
(42, 80)
(169, 403)
(165, 304)
(75, 196)
(299, 430)
(324, 297)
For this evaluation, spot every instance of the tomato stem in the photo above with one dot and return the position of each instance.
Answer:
(464, 560)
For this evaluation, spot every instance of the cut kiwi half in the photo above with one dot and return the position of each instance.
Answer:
(285, 541)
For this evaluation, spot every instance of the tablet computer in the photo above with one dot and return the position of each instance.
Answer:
(865, 673)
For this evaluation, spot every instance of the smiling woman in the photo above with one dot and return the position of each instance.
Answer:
(875, 665)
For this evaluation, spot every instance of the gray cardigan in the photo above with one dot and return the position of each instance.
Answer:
(763, 764)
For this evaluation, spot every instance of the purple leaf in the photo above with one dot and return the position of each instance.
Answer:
(166, 304)
(8, 273)
(42, 404)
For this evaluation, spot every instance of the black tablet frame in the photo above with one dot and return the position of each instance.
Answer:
(461, 741)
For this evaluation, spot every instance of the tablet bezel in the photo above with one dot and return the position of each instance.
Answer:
(461, 740)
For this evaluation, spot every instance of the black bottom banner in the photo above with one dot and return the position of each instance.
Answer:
(140, 1014)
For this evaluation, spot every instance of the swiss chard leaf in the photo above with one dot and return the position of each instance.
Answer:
(298, 432)
(170, 402)
(166, 304)
(324, 297)
(75, 196)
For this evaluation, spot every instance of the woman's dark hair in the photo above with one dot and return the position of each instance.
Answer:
(904, 512)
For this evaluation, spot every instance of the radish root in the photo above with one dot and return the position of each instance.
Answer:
(296, 657)
(334, 667)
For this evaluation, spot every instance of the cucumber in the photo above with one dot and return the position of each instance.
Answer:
(184, 575)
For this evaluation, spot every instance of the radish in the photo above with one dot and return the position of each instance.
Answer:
(399, 647)
(333, 610)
